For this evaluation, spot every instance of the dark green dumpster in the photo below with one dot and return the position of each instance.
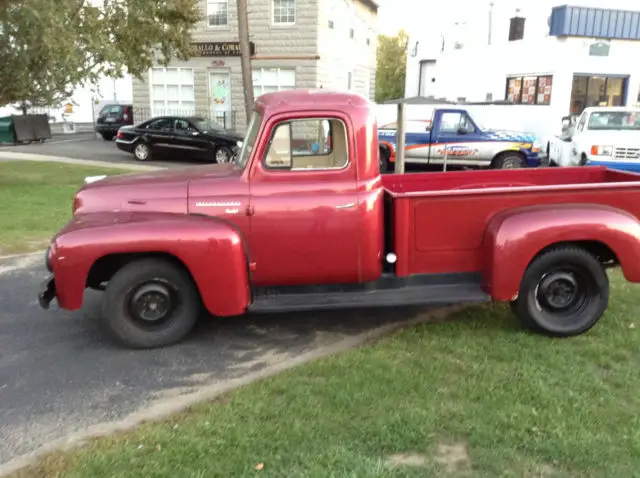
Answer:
(7, 132)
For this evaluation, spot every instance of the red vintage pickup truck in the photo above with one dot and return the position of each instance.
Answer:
(303, 220)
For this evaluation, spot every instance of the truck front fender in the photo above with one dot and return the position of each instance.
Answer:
(212, 251)
(514, 237)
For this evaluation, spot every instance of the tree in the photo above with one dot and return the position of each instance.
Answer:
(47, 48)
(391, 66)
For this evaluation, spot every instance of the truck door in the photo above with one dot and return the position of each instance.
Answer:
(456, 138)
(306, 219)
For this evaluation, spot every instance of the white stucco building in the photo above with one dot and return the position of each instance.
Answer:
(554, 58)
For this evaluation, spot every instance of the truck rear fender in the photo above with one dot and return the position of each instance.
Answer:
(210, 249)
(513, 238)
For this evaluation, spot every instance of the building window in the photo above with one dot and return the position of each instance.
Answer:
(349, 76)
(529, 90)
(217, 13)
(268, 80)
(172, 91)
(351, 33)
(596, 91)
(331, 24)
(368, 42)
(284, 12)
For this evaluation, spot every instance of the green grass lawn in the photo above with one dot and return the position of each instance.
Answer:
(473, 396)
(36, 200)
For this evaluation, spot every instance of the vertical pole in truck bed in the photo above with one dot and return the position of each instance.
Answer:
(400, 139)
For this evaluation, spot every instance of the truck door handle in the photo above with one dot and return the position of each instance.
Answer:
(346, 206)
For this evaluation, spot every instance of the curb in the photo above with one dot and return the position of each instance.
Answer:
(10, 155)
(165, 408)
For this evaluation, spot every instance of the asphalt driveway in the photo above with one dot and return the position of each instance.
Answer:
(60, 374)
(89, 147)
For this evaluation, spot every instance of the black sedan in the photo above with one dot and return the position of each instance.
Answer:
(182, 137)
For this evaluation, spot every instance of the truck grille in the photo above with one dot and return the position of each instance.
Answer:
(627, 154)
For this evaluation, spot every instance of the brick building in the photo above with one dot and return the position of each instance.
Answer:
(295, 43)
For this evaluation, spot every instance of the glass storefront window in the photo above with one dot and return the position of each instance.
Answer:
(529, 90)
(596, 91)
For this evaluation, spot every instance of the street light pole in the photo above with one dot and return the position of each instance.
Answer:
(245, 52)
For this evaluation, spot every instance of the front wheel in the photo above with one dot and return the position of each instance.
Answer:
(509, 161)
(563, 293)
(150, 303)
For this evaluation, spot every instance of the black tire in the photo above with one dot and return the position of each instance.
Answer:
(509, 161)
(383, 160)
(132, 292)
(107, 136)
(563, 293)
(223, 155)
(138, 151)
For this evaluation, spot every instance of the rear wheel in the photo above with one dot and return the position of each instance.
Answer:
(142, 151)
(564, 292)
(509, 161)
(383, 160)
(223, 154)
(150, 303)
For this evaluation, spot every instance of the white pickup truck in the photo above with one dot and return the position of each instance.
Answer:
(608, 136)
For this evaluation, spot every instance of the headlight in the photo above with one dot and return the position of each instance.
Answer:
(537, 147)
(601, 150)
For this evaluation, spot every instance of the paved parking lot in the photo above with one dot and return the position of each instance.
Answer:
(88, 146)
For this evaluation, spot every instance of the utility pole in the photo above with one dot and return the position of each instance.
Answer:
(245, 52)
(491, 4)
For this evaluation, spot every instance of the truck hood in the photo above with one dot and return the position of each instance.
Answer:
(505, 135)
(619, 139)
(158, 191)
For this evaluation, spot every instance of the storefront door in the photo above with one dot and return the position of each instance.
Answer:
(597, 91)
(220, 97)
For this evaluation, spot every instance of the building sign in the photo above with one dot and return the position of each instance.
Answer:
(225, 48)
(599, 49)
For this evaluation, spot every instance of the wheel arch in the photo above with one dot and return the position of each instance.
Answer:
(506, 152)
(514, 238)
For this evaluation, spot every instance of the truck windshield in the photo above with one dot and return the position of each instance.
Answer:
(615, 120)
(249, 141)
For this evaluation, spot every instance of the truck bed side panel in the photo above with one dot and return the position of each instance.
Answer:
(446, 234)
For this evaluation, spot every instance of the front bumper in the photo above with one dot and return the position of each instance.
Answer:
(47, 292)
(630, 166)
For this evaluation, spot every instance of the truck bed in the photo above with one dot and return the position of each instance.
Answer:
(436, 221)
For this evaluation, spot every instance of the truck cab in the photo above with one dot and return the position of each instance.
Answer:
(451, 137)
(303, 220)
(608, 136)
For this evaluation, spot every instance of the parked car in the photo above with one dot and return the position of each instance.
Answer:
(608, 136)
(315, 226)
(188, 137)
(453, 137)
(111, 118)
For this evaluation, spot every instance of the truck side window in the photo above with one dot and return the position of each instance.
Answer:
(453, 122)
(316, 144)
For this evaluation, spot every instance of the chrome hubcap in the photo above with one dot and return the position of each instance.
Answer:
(142, 151)
(222, 156)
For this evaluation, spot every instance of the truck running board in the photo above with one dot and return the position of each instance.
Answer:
(388, 297)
